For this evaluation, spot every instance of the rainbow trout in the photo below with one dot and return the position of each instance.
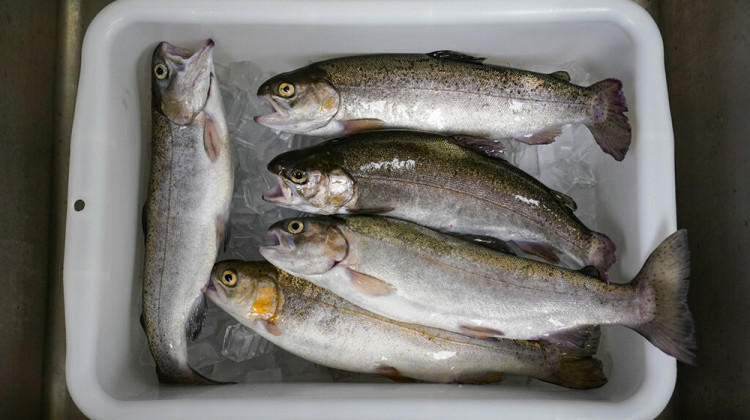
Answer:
(427, 179)
(317, 325)
(186, 211)
(444, 92)
(412, 274)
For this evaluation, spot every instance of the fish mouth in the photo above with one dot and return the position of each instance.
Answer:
(215, 294)
(281, 194)
(282, 116)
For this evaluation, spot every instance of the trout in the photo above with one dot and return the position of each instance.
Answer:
(317, 325)
(427, 179)
(444, 92)
(413, 274)
(187, 206)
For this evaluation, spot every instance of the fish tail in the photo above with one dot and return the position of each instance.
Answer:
(662, 286)
(577, 373)
(609, 125)
(602, 254)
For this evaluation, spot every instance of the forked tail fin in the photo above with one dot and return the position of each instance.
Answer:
(609, 125)
(662, 286)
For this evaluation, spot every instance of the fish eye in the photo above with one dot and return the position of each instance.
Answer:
(298, 176)
(229, 278)
(295, 226)
(160, 71)
(286, 90)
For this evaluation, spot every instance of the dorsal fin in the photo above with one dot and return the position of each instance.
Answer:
(456, 56)
(566, 200)
(562, 75)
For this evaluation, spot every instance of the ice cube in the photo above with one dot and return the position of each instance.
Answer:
(241, 343)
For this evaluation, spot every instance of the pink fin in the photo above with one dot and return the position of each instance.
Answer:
(491, 148)
(369, 285)
(479, 332)
(584, 338)
(541, 250)
(365, 124)
(222, 233)
(608, 124)
(211, 139)
(271, 328)
(392, 373)
(545, 136)
(480, 378)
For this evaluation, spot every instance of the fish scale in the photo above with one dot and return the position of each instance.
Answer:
(315, 324)
(187, 204)
(445, 92)
(427, 179)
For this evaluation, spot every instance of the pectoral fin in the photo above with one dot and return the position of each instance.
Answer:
(369, 285)
(211, 139)
(365, 124)
(479, 332)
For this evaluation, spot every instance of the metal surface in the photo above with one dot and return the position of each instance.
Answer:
(707, 52)
(27, 109)
(708, 58)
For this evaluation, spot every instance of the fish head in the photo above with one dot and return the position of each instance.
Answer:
(236, 285)
(181, 81)
(310, 182)
(303, 100)
(306, 246)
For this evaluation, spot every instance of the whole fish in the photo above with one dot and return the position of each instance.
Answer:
(317, 325)
(187, 207)
(427, 179)
(412, 274)
(443, 92)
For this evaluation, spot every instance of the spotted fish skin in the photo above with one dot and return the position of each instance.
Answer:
(317, 325)
(187, 205)
(413, 274)
(427, 179)
(444, 92)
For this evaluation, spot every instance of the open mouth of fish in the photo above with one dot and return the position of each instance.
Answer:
(282, 194)
(280, 241)
(283, 113)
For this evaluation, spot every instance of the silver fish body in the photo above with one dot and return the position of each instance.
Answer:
(412, 274)
(187, 206)
(427, 179)
(317, 325)
(444, 92)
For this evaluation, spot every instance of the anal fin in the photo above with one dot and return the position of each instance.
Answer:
(545, 136)
(480, 378)
(585, 338)
(393, 374)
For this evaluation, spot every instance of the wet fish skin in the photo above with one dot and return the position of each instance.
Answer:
(187, 206)
(412, 274)
(427, 179)
(443, 92)
(315, 324)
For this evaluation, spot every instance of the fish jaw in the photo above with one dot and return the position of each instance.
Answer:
(184, 93)
(311, 109)
(308, 253)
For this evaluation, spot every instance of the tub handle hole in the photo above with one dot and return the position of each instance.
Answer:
(79, 205)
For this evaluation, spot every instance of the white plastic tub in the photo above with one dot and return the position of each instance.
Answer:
(108, 172)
